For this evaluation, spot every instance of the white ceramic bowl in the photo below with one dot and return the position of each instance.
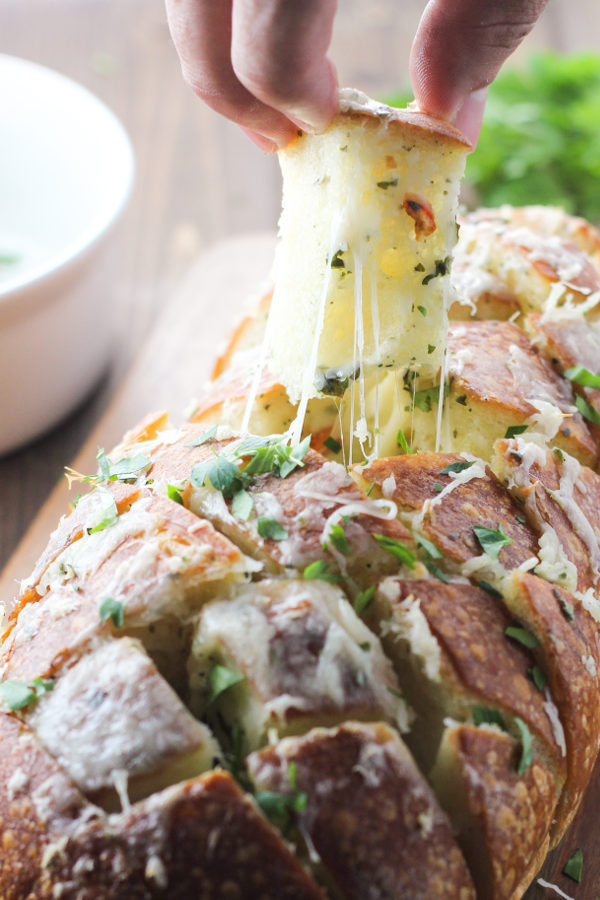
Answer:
(66, 170)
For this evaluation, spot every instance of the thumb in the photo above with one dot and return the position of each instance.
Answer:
(458, 50)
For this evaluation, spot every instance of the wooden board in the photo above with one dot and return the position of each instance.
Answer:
(169, 372)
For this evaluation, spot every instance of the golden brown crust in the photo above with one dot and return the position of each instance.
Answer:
(411, 123)
(503, 371)
(370, 815)
(569, 654)
(482, 501)
(502, 817)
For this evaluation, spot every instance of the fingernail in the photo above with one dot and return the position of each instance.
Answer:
(264, 143)
(469, 116)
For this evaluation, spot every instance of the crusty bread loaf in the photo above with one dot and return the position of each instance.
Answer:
(243, 668)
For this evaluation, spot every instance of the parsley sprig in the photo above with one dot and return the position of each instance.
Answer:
(19, 694)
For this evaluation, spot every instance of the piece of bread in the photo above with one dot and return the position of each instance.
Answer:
(244, 667)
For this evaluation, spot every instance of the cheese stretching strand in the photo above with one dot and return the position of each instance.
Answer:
(367, 231)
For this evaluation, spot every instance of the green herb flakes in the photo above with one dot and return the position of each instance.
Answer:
(513, 430)
(442, 267)
(108, 511)
(222, 474)
(397, 549)
(526, 757)
(270, 529)
(220, 678)
(331, 444)
(422, 310)
(573, 867)
(204, 438)
(242, 505)
(482, 715)
(522, 636)
(486, 586)
(491, 540)
(588, 412)
(384, 185)
(336, 260)
(402, 442)
(174, 493)
(566, 607)
(538, 677)
(363, 600)
(583, 377)
(319, 571)
(457, 466)
(337, 537)
(112, 609)
(19, 694)
(425, 399)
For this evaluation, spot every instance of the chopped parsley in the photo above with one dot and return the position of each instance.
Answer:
(223, 474)
(437, 487)
(384, 185)
(280, 807)
(566, 607)
(483, 715)
(204, 438)
(522, 636)
(458, 466)
(435, 570)
(112, 609)
(331, 444)
(319, 571)
(422, 310)
(270, 529)
(220, 678)
(513, 430)
(337, 536)
(526, 757)
(363, 600)
(538, 677)
(588, 412)
(336, 260)
(430, 348)
(429, 548)
(573, 867)
(491, 540)
(19, 694)
(397, 549)
(108, 511)
(402, 442)
(581, 375)
(442, 267)
(272, 456)
(486, 586)
(174, 493)
(242, 505)
(425, 399)
(127, 469)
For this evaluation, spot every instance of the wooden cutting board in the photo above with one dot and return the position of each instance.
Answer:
(170, 370)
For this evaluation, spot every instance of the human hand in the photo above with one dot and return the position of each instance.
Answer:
(458, 50)
(264, 64)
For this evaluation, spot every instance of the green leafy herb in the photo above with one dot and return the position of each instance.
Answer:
(486, 586)
(397, 549)
(204, 437)
(395, 692)
(573, 867)
(370, 488)
(430, 348)
(402, 442)
(242, 505)
(425, 399)
(272, 455)
(19, 694)
(482, 715)
(127, 469)
(513, 430)
(384, 185)
(437, 486)
(526, 757)
(442, 267)
(588, 412)
(112, 609)
(280, 807)
(457, 466)
(270, 529)
(435, 570)
(220, 678)
(429, 548)
(337, 536)
(517, 633)
(331, 444)
(491, 540)
(566, 607)
(109, 511)
(422, 310)
(538, 677)
(174, 493)
(336, 260)
(521, 519)
(222, 474)
(583, 376)
(319, 571)
(363, 600)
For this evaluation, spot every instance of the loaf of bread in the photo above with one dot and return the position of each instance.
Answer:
(247, 667)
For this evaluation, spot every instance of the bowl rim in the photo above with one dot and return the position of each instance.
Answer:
(78, 247)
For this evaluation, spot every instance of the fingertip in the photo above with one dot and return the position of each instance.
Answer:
(264, 143)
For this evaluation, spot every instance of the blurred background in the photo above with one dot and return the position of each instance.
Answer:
(199, 180)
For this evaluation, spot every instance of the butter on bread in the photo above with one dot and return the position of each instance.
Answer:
(367, 229)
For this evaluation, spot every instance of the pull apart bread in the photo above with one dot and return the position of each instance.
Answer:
(336, 635)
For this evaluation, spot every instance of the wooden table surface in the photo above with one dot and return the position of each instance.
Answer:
(199, 180)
